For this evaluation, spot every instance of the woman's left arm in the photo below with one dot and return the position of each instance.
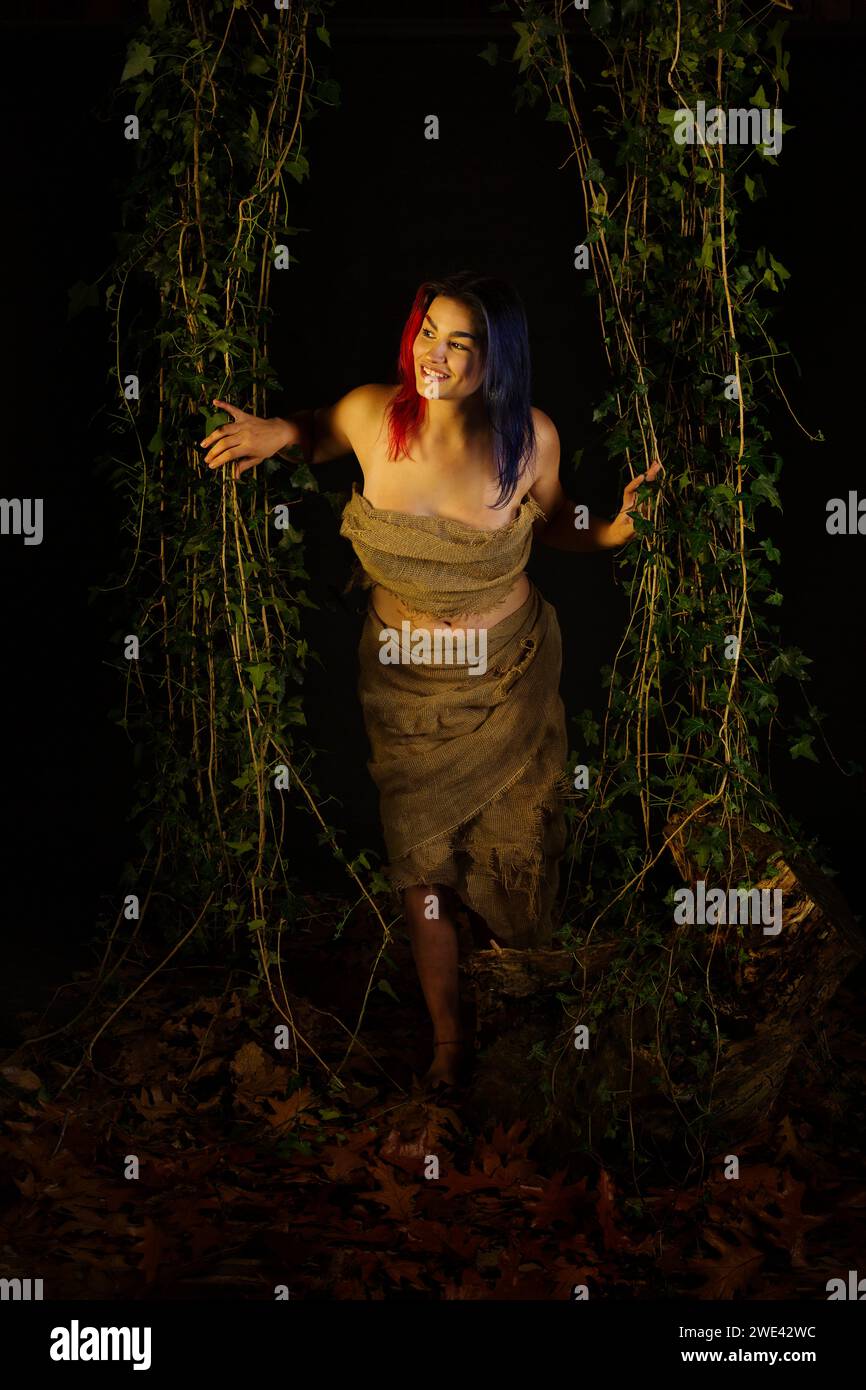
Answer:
(559, 530)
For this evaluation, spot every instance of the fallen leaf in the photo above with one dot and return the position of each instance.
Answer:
(255, 1073)
(22, 1078)
(557, 1200)
(397, 1197)
(732, 1272)
(151, 1247)
(287, 1110)
(152, 1105)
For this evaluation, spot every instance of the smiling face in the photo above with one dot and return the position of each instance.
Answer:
(448, 352)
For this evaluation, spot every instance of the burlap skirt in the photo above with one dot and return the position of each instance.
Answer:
(471, 770)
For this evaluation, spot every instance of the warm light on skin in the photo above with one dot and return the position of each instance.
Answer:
(440, 344)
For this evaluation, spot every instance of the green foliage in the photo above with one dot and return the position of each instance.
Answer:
(215, 587)
(686, 308)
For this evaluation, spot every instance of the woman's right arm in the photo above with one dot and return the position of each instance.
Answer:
(327, 432)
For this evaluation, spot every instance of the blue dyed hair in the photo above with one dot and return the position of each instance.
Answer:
(506, 384)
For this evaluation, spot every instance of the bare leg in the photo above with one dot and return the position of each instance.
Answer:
(435, 951)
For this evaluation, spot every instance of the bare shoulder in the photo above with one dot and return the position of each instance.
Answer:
(365, 403)
(547, 440)
(360, 412)
(371, 396)
(545, 429)
(356, 417)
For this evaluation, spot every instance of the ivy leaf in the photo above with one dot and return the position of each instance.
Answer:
(721, 495)
(297, 166)
(557, 112)
(764, 489)
(258, 672)
(694, 725)
(705, 259)
(594, 171)
(790, 662)
(328, 91)
(138, 60)
(386, 989)
(289, 537)
(303, 478)
(521, 49)
(599, 14)
(158, 11)
(490, 54)
(803, 748)
(81, 296)
(322, 33)
(258, 65)
(212, 422)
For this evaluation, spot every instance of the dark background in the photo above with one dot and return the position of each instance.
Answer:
(385, 209)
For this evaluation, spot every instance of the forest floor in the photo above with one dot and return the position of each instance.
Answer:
(185, 1158)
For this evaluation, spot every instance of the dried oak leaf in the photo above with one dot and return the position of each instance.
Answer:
(788, 1141)
(515, 1140)
(151, 1247)
(287, 1110)
(500, 1163)
(154, 1106)
(400, 1269)
(605, 1209)
(777, 1204)
(737, 1265)
(493, 1173)
(437, 1238)
(557, 1200)
(420, 1130)
(343, 1159)
(515, 1283)
(397, 1197)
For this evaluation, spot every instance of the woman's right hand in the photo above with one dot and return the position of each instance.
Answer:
(248, 438)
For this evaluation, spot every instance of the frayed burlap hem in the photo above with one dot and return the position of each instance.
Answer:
(511, 886)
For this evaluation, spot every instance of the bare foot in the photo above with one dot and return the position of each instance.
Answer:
(449, 1063)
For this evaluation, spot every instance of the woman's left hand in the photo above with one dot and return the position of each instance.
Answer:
(624, 521)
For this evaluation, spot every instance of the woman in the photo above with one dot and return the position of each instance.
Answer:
(460, 655)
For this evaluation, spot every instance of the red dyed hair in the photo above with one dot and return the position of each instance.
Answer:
(408, 409)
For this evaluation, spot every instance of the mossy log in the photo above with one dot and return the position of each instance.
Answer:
(771, 994)
(767, 991)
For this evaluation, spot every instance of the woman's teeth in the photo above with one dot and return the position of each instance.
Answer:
(433, 376)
